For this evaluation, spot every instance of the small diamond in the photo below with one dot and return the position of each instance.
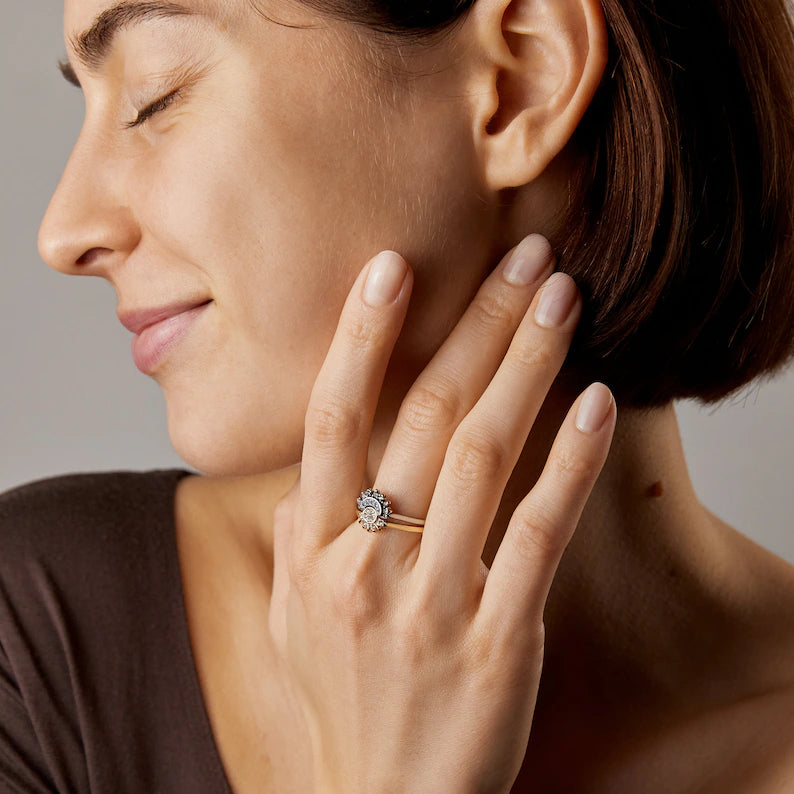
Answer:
(369, 518)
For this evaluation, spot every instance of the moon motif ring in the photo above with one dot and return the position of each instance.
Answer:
(374, 513)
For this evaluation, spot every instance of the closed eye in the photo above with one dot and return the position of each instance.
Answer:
(156, 107)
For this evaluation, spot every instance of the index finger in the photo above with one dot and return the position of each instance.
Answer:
(345, 395)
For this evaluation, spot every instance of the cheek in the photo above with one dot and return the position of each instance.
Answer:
(262, 175)
(275, 213)
(234, 211)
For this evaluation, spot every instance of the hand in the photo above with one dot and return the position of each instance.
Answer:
(416, 667)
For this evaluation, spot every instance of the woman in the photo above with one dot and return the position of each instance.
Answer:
(238, 165)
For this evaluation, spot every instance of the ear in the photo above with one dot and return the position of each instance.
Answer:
(537, 66)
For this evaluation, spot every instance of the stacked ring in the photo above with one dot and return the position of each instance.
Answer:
(374, 510)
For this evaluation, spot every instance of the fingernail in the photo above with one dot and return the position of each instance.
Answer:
(530, 260)
(386, 275)
(557, 299)
(594, 408)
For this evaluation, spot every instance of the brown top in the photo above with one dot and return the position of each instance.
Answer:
(98, 686)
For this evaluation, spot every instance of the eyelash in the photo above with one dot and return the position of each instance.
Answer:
(156, 107)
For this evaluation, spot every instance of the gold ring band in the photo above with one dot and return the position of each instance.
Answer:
(407, 519)
(406, 527)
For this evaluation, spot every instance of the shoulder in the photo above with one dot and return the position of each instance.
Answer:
(94, 649)
(68, 505)
(82, 494)
(83, 535)
(87, 563)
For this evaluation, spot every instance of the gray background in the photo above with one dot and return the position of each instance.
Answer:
(72, 400)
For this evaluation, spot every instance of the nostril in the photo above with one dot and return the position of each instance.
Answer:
(91, 255)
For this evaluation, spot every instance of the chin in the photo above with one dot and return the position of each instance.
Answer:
(225, 445)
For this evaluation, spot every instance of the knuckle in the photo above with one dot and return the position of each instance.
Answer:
(537, 539)
(361, 334)
(571, 463)
(532, 355)
(471, 456)
(429, 408)
(491, 312)
(333, 423)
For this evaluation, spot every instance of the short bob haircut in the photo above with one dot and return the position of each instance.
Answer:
(680, 232)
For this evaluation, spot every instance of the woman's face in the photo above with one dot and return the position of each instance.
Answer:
(286, 162)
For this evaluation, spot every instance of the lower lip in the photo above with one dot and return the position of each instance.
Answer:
(151, 345)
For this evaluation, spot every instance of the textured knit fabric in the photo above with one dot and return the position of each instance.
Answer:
(98, 686)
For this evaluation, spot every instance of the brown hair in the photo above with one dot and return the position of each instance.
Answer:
(680, 232)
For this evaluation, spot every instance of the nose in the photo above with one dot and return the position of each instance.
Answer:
(88, 224)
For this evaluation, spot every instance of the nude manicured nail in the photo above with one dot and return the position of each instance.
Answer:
(530, 260)
(386, 275)
(557, 299)
(594, 408)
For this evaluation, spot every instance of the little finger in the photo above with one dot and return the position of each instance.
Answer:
(539, 530)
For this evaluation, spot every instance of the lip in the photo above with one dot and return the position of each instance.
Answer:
(158, 331)
(138, 319)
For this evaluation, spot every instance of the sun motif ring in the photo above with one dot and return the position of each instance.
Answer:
(374, 510)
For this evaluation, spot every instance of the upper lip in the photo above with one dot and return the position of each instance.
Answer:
(138, 319)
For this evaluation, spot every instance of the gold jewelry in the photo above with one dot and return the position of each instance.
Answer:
(374, 511)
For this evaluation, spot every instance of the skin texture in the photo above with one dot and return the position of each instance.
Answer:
(293, 157)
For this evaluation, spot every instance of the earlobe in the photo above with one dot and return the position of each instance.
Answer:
(543, 62)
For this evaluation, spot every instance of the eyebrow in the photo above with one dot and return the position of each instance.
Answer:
(92, 47)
